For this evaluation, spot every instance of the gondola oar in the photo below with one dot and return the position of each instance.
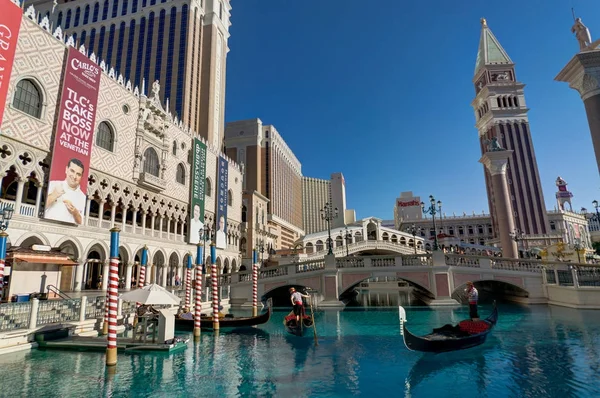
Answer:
(312, 314)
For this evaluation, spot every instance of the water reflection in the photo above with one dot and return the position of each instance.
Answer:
(532, 352)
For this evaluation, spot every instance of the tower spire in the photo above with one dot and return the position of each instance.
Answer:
(490, 51)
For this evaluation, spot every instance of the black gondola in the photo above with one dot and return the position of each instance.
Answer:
(297, 328)
(466, 334)
(206, 322)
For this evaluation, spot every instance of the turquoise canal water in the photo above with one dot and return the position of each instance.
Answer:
(534, 351)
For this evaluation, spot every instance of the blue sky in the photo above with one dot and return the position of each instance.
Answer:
(381, 91)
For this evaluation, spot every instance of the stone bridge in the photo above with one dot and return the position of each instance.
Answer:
(438, 274)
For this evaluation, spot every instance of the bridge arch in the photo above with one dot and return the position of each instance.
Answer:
(492, 289)
(281, 294)
(413, 283)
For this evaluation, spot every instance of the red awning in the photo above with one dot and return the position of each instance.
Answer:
(39, 258)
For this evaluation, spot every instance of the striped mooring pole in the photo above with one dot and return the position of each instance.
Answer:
(143, 264)
(215, 285)
(113, 292)
(188, 282)
(254, 283)
(3, 239)
(198, 290)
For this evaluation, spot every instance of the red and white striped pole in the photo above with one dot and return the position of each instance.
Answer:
(254, 283)
(215, 285)
(198, 291)
(142, 270)
(3, 239)
(188, 282)
(113, 292)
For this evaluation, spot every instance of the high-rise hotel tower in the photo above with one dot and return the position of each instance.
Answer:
(500, 112)
(180, 43)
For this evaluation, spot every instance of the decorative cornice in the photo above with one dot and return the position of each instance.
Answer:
(582, 73)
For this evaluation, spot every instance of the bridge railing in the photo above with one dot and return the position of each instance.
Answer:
(340, 251)
(575, 275)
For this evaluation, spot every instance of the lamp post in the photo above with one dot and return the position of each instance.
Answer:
(433, 211)
(347, 236)
(261, 249)
(517, 236)
(6, 214)
(414, 230)
(577, 246)
(328, 213)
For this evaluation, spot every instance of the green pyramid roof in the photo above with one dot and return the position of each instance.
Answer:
(490, 51)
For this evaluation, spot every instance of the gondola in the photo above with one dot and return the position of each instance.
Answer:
(297, 328)
(466, 334)
(206, 322)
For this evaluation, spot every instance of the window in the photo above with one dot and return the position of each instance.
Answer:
(105, 138)
(208, 188)
(59, 21)
(68, 21)
(96, 10)
(151, 163)
(28, 98)
(115, 8)
(180, 174)
(130, 47)
(229, 198)
(148, 57)
(174, 148)
(552, 226)
(86, 15)
(105, 10)
(77, 16)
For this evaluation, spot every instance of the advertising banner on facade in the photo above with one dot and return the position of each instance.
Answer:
(73, 139)
(197, 192)
(222, 189)
(10, 23)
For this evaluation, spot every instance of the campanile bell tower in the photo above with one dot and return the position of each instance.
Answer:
(501, 113)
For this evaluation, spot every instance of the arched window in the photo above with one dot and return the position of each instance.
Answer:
(68, 20)
(229, 198)
(180, 174)
(86, 15)
(208, 187)
(174, 148)
(106, 137)
(28, 98)
(244, 213)
(96, 10)
(59, 20)
(151, 163)
(77, 16)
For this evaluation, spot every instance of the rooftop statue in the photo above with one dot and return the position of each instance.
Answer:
(582, 34)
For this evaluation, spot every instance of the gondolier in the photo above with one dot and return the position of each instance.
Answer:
(473, 296)
(296, 298)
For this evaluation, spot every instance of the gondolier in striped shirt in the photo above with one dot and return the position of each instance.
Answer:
(296, 298)
(473, 296)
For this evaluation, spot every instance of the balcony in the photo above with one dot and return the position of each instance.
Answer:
(154, 183)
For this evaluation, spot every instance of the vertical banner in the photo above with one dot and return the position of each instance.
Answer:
(197, 192)
(10, 23)
(222, 188)
(73, 139)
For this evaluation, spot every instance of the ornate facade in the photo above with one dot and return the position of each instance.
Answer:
(139, 176)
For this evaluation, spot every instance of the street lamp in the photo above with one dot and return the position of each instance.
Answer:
(328, 213)
(517, 236)
(205, 236)
(433, 211)
(414, 230)
(261, 249)
(347, 236)
(6, 214)
(577, 246)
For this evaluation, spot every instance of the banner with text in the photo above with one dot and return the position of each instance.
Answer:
(222, 200)
(73, 139)
(197, 192)
(10, 23)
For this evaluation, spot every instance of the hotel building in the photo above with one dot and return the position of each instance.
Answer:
(139, 178)
(180, 43)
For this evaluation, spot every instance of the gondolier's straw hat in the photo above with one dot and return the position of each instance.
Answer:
(469, 283)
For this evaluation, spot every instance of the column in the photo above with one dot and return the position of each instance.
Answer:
(168, 228)
(160, 222)
(38, 198)
(128, 269)
(124, 221)
(105, 270)
(164, 274)
(496, 163)
(149, 276)
(88, 202)
(153, 221)
(113, 213)
(135, 212)
(582, 73)
(79, 274)
(19, 199)
(143, 222)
